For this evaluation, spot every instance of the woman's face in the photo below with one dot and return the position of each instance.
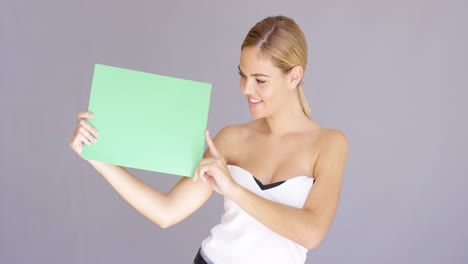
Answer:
(261, 80)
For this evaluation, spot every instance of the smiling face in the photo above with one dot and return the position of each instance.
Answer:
(261, 80)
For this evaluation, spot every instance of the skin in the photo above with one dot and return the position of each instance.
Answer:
(281, 143)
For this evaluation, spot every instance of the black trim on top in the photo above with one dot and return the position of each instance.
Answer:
(271, 185)
(267, 186)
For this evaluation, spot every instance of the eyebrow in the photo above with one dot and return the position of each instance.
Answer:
(255, 74)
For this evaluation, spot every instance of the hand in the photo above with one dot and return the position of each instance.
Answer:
(83, 133)
(215, 171)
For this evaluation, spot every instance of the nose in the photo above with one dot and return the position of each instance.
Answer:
(247, 87)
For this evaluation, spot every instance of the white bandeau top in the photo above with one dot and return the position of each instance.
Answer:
(240, 238)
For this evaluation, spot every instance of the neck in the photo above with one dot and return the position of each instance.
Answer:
(290, 119)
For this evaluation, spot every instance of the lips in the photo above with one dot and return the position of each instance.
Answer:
(254, 99)
(254, 105)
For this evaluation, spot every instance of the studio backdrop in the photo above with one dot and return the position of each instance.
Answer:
(390, 74)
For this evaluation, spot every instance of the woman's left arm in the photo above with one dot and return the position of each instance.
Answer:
(309, 225)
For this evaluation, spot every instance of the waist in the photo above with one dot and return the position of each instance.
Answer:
(232, 244)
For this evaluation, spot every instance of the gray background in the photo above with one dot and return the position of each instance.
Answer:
(390, 74)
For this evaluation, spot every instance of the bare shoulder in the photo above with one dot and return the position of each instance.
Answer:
(322, 137)
(335, 137)
(333, 151)
(226, 140)
(333, 140)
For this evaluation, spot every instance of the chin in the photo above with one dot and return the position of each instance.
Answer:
(256, 115)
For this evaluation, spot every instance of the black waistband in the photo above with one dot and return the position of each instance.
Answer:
(198, 258)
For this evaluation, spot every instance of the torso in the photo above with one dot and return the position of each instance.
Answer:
(273, 159)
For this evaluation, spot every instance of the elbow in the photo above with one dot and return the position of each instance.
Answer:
(313, 240)
(162, 222)
(311, 244)
(165, 224)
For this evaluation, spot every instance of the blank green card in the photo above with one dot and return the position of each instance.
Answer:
(147, 121)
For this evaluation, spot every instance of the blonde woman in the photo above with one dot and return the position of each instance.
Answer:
(280, 174)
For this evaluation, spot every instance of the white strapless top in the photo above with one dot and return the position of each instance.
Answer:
(240, 238)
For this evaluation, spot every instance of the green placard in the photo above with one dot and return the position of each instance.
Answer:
(147, 121)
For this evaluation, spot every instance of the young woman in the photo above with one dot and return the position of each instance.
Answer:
(281, 174)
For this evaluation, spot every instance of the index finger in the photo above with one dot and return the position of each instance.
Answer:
(211, 145)
(84, 115)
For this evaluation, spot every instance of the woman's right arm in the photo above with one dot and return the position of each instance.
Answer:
(163, 209)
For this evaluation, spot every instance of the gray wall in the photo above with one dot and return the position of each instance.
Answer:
(390, 74)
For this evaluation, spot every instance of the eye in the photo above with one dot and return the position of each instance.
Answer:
(241, 74)
(260, 81)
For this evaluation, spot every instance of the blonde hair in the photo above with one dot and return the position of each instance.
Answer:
(281, 38)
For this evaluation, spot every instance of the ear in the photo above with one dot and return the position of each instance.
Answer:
(295, 76)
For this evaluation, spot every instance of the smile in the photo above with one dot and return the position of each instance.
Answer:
(254, 103)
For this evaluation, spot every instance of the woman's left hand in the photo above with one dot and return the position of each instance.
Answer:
(215, 171)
